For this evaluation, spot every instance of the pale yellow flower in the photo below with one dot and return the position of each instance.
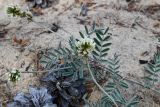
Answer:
(85, 46)
(14, 75)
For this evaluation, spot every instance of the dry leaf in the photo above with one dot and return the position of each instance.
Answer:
(152, 9)
(37, 11)
(156, 24)
(3, 34)
(89, 87)
(21, 42)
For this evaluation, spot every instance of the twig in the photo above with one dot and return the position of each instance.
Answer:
(65, 9)
(82, 21)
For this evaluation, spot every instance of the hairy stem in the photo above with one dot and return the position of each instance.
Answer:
(95, 81)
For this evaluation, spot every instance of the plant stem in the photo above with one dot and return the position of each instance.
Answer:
(95, 81)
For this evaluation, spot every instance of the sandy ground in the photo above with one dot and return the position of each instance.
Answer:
(129, 39)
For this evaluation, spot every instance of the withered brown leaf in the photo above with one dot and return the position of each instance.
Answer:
(20, 42)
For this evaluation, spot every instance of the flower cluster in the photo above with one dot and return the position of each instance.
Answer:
(14, 75)
(15, 11)
(85, 46)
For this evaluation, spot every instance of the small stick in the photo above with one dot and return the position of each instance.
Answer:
(65, 9)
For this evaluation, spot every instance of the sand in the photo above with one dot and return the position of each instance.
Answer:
(127, 40)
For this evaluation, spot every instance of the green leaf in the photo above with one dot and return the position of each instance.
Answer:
(111, 62)
(51, 53)
(86, 29)
(97, 42)
(59, 45)
(97, 49)
(132, 103)
(150, 71)
(47, 57)
(95, 53)
(94, 25)
(58, 52)
(99, 36)
(111, 84)
(157, 69)
(105, 50)
(110, 87)
(63, 50)
(150, 79)
(106, 38)
(106, 31)
(118, 97)
(123, 84)
(105, 99)
(116, 62)
(43, 62)
(81, 34)
(104, 54)
(69, 51)
(117, 67)
(73, 65)
(106, 44)
(104, 60)
(100, 32)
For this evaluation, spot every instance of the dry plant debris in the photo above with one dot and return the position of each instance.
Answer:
(156, 24)
(152, 9)
(3, 34)
(20, 42)
(37, 11)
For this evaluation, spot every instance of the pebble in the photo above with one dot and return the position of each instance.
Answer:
(26, 52)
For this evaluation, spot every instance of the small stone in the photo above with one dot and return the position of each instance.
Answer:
(26, 52)
(143, 61)
(55, 27)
